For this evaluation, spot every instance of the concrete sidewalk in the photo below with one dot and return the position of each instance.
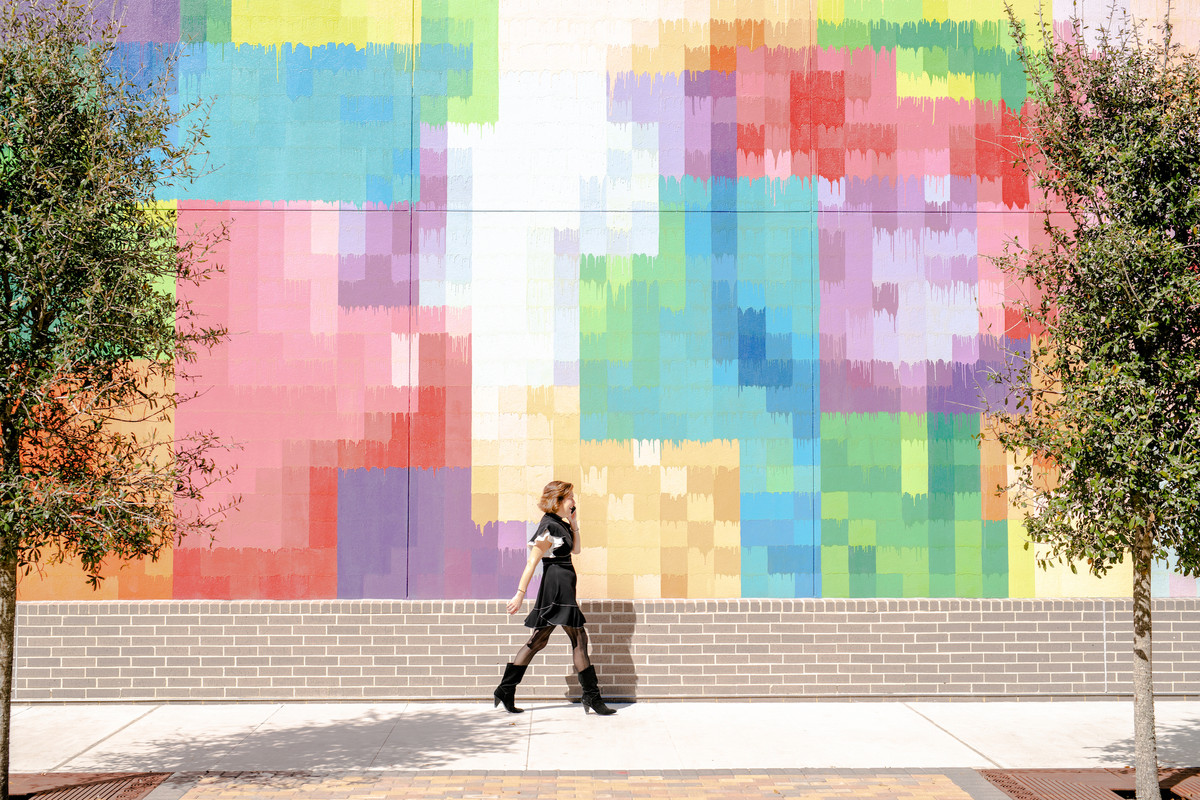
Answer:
(558, 736)
(712, 750)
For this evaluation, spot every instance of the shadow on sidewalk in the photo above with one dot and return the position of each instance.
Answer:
(1178, 745)
(419, 737)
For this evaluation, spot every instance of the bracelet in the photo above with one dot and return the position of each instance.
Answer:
(522, 591)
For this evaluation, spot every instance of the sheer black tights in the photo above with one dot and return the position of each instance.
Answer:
(537, 642)
(579, 644)
(531, 648)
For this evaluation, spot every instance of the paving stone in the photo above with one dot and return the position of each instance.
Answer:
(598, 785)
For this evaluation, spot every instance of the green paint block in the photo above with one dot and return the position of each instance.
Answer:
(1012, 84)
(968, 506)
(863, 584)
(780, 478)
(941, 533)
(967, 561)
(645, 370)
(475, 23)
(886, 505)
(916, 584)
(889, 585)
(205, 21)
(851, 35)
(986, 35)
(969, 533)
(966, 480)
(894, 11)
(834, 533)
(835, 559)
(618, 271)
(593, 269)
(968, 585)
(995, 584)
(620, 346)
(941, 503)
(914, 508)
(835, 505)
(620, 426)
(960, 57)
(834, 584)
(434, 109)
(941, 561)
(995, 535)
(861, 533)
(883, 479)
(901, 560)
(833, 453)
(942, 586)
(935, 61)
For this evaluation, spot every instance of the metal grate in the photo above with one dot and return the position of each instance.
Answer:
(87, 786)
(1089, 784)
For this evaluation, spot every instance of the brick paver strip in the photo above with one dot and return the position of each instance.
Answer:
(600, 785)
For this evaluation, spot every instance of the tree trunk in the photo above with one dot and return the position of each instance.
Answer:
(8, 641)
(1145, 747)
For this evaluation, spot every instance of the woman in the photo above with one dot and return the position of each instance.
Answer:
(556, 538)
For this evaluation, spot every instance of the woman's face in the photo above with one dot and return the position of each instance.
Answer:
(567, 506)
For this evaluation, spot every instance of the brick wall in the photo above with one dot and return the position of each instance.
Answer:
(455, 649)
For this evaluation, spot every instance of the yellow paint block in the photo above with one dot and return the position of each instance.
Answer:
(1059, 581)
(674, 534)
(647, 587)
(320, 22)
(727, 584)
(700, 507)
(728, 534)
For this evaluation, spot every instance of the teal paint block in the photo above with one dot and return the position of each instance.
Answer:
(942, 585)
(888, 585)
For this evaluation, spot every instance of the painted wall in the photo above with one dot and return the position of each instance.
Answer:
(721, 264)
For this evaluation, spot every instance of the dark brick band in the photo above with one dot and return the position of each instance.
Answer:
(456, 649)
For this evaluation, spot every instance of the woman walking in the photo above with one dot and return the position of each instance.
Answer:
(556, 538)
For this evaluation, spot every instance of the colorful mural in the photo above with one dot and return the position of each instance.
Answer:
(720, 264)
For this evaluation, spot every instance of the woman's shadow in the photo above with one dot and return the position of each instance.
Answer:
(610, 627)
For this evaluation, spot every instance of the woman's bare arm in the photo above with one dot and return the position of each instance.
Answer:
(535, 555)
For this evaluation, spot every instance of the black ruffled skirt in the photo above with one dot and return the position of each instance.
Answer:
(556, 604)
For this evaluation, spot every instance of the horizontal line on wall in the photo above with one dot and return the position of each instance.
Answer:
(616, 698)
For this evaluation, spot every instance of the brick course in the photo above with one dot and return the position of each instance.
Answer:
(455, 649)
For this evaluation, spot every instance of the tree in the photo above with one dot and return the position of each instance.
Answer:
(92, 335)
(1103, 407)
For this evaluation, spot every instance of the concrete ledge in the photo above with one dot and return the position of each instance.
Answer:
(663, 649)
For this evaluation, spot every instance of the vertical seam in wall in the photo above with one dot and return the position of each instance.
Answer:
(1104, 630)
(414, 274)
(814, 246)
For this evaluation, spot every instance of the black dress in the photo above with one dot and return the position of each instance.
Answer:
(556, 604)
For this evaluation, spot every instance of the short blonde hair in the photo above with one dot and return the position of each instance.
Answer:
(553, 495)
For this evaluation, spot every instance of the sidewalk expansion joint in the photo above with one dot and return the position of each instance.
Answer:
(974, 750)
(101, 741)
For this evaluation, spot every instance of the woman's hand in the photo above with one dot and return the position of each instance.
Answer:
(514, 605)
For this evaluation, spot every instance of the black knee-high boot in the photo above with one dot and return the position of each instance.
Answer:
(591, 693)
(507, 690)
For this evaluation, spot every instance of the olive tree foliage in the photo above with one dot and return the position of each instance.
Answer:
(1103, 408)
(94, 342)
(93, 338)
